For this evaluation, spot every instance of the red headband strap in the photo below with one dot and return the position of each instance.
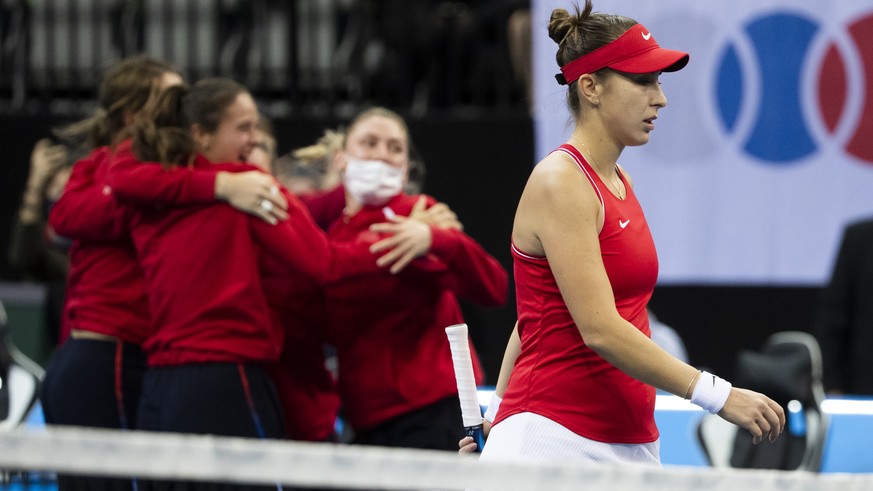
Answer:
(635, 51)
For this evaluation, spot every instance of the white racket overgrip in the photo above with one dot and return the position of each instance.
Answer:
(462, 361)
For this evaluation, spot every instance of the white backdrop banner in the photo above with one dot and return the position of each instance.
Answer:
(765, 149)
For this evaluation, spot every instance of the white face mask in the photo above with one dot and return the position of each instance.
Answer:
(372, 182)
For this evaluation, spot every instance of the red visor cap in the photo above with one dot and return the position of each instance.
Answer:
(635, 51)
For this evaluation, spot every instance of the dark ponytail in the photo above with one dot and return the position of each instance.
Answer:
(125, 88)
(580, 33)
(163, 127)
(162, 132)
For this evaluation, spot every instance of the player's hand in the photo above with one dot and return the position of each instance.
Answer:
(438, 215)
(409, 239)
(45, 158)
(252, 192)
(466, 445)
(755, 412)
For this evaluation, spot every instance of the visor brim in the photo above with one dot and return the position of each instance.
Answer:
(657, 60)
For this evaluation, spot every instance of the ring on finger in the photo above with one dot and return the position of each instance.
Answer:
(266, 205)
(274, 189)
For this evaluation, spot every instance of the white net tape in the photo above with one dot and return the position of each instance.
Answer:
(197, 457)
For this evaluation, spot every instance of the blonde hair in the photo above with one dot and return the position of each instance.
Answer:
(329, 143)
(312, 162)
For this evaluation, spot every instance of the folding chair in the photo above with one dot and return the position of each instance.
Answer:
(20, 380)
(788, 369)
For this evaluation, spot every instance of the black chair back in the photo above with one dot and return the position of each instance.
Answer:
(787, 369)
(20, 379)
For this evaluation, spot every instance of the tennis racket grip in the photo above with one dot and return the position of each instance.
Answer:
(471, 413)
(477, 434)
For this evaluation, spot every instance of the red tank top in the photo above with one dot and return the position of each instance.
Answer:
(557, 375)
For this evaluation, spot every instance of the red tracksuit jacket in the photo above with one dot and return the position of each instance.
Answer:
(389, 330)
(202, 266)
(105, 289)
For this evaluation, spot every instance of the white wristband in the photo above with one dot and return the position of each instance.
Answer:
(711, 392)
(493, 405)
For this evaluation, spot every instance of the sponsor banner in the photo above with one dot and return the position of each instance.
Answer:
(765, 149)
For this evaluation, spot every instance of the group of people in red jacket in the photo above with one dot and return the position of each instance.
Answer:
(202, 292)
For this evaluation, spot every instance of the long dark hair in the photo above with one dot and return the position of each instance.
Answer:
(580, 34)
(163, 129)
(125, 89)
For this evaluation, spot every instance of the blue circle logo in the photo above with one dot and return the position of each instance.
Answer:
(781, 125)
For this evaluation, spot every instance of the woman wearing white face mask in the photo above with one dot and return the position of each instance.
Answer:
(306, 388)
(396, 380)
(373, 182)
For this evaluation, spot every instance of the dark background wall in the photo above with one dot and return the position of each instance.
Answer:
(478, 165)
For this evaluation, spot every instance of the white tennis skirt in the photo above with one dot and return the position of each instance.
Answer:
(530, 437)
